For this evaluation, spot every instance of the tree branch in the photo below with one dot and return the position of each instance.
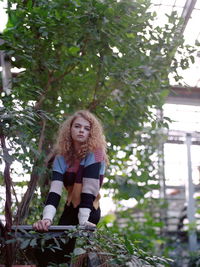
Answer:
(42, 136)
(25, 202)
(8, 182)
(64, 74)
(14, 193)
(55, 79)
(23, 208)
(98, 84)
(42, 98)
(82, 53)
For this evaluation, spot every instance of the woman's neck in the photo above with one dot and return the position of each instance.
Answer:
(77, 147)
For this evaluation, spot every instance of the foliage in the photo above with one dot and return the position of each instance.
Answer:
(142, 224)
(120, 248)
(134, 168)
(111, 249)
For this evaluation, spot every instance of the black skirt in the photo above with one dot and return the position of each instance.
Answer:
(69, 217)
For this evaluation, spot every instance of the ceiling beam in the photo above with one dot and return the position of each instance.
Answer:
(186, 13)
(184, 96)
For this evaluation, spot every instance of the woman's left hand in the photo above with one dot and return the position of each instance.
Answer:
(88, 224)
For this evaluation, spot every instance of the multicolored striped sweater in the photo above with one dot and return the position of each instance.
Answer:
(82, 180)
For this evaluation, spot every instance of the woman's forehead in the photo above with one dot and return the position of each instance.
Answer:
(82, 121)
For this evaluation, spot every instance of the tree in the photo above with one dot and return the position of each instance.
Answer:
(101, 55)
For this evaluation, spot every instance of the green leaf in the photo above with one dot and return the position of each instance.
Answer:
(11, 241)
(128, 245)
(25, 244)
(33, 243)
(74, 50)
(79, 251)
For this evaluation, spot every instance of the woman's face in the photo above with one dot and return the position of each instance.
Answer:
(80, 130)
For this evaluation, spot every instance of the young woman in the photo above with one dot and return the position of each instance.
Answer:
(79, 166)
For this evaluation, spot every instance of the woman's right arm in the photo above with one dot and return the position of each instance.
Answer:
(53, 199)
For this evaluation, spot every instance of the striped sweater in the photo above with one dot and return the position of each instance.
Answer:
(82, 180)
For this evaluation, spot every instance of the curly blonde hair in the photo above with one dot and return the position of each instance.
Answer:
(64, 145)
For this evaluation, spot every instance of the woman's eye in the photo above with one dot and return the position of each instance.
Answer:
(87, 129)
